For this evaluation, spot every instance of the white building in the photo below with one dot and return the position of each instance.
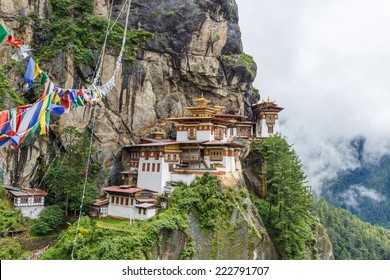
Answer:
(29, 201)
(267, 118)
(130, 203)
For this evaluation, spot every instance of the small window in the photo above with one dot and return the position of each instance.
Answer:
(144, 211)
(139, 210)
(148, 167)
(126, 201)
(143, 167)
(153, 167)
(158, 167)
(192, 133)
(116, 200)
(112, 199)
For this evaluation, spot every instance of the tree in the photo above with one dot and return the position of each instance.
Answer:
(50, 218)
(289, 199)
(66, 177)
(10, 249)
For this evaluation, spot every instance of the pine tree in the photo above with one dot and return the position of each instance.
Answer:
(288, 197)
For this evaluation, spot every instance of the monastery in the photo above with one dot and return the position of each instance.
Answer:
(206, 141)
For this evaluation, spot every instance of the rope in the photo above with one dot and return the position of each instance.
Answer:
(109, 29)
(118, 62)
(84, 187)
(99, 62)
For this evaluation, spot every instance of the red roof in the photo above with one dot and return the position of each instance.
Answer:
(28, 192)
(122, 189)
(100, 202)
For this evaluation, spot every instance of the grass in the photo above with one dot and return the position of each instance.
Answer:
(115, 224)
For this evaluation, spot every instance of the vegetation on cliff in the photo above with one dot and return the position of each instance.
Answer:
(285, 208)
(10, 248)
(72, 27)
(351, 237)
(8, 96)
(205, 199)
(66, 176)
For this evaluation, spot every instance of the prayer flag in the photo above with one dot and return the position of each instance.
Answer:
(29, 76)
(3, 33)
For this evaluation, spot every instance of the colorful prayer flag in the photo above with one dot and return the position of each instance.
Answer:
(3, 33)
(29, 76)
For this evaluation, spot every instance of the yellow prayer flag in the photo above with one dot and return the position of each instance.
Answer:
(56, 99)
(37, 70)
(42, 116)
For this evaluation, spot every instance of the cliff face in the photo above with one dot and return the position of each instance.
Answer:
(243, 237)
(195, 49)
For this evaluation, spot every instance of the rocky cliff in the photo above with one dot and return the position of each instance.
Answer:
(195, 48)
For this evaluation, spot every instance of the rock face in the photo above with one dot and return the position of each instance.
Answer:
(243, 237)
(195, 49)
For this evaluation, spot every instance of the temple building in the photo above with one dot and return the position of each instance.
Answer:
(130, 203)
(267, 118)
(205, 142)
(29, 201)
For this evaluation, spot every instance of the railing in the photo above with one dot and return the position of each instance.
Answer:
(29, 204)
(191, 158)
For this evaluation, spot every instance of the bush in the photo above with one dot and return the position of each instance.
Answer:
(50, 218)
(10, 249)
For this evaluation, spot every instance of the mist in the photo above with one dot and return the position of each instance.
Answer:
(328, 64)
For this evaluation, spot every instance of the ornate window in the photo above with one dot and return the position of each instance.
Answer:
(191, 133)
(219, 134)
(216, 155)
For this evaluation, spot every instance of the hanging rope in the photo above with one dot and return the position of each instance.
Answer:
(118, 62)
(84, 186)
(99, 63)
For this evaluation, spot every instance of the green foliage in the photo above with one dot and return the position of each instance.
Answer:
(74, 28)
(351, 237)
(286, 207)
(208, 200)
(215, 38)
(117, 239)
(49, 219)
(8, 96)
(240, 60)
(66, 176)
(10, 249)
(170, 13)
(8, 216)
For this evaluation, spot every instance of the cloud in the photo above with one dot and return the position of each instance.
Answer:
(327, 63)
(357, 192)
(369, 193)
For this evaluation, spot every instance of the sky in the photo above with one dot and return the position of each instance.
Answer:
(328, 64)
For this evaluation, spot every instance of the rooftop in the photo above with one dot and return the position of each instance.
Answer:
(122, 189)
(100, 202)
(28, 192)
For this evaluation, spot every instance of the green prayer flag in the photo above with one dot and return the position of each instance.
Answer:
(3, 33)
(45, 78)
